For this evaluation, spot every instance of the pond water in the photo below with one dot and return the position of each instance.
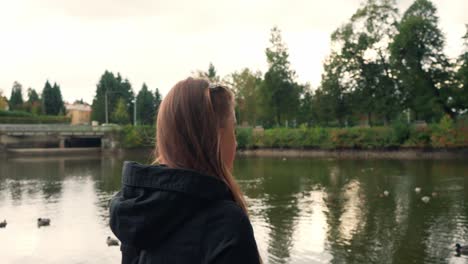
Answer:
(302, 210)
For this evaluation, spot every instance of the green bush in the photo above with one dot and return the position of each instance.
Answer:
(34, 120)
(442, 135)
(244, 137)
(446, 135)
(15, 113)
(401, 132)
(399, 135)
(419, 137)
(22, 117)
(137, 136)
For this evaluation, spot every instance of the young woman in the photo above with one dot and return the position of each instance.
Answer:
(188, 209)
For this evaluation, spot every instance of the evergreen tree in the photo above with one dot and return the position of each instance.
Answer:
(420, 62)
(279, 94)
(210, 75)
(120, 114)
(145, 106)
(306, 110)
(16, 98)
(157, 102)
(33, 104)
(48, 105)
(115, 88)
(32, 96)
(58, 104)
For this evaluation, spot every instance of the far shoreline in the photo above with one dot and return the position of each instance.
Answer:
(410, 153)
(400, 153)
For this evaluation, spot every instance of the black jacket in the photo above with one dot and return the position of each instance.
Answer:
(165, 215)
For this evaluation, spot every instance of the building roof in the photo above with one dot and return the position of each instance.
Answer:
(78, 107)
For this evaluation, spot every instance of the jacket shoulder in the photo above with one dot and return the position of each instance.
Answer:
(228, 235)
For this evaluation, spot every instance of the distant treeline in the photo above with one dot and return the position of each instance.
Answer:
(382, 67)
(49, 102)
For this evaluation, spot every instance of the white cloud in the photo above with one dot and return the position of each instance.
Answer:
(161, 42)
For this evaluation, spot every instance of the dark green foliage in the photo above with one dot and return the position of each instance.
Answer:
(47, 95)
(332, 95)
(116, 88)
(401, 131)
(16, 98)
(246, 86)
(279, 93)
(157, 102)
(59, 107)
(461, 89)
(437, 136)
(15, 113)
(210, 75)
(420, 63)
(306, 113)
(52, 102)
(32, 96)
(244, 137)
(120, 114)
(137, 136)
(145, 106)
(358, 79)
(21, 117)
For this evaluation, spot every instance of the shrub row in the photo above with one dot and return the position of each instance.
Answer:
(137, 136)
(22, 117)
(354, 138)
(442, 135)
(15, 113)
(34, 120)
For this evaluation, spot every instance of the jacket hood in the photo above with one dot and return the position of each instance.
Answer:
(155, 200)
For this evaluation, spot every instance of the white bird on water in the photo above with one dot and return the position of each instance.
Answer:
(386, 193)
(425, 199)
(417, 189)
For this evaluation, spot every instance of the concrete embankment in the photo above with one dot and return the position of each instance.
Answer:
(290, 153)
(361, 154)
(50, 151)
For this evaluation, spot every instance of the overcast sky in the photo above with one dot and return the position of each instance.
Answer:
(72, 42)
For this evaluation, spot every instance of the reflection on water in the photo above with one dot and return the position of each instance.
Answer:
(303, 210)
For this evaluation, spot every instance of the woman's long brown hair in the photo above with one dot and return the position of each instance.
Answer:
(188, 125)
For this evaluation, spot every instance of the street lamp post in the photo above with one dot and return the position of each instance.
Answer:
(134, 112)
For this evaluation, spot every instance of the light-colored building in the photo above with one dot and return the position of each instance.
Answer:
(3, 103)
(80, 114)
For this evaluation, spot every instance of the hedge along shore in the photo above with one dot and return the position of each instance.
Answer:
(408, 154)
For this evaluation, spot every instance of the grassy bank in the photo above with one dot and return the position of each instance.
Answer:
(443, 135)
(400, 136)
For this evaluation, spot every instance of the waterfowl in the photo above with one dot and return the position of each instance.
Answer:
(425, 199)
(43, 222)
(434, 194)
(3, 224)
(417, 190)
(461, 250)
(386, 193)
(112, 242)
